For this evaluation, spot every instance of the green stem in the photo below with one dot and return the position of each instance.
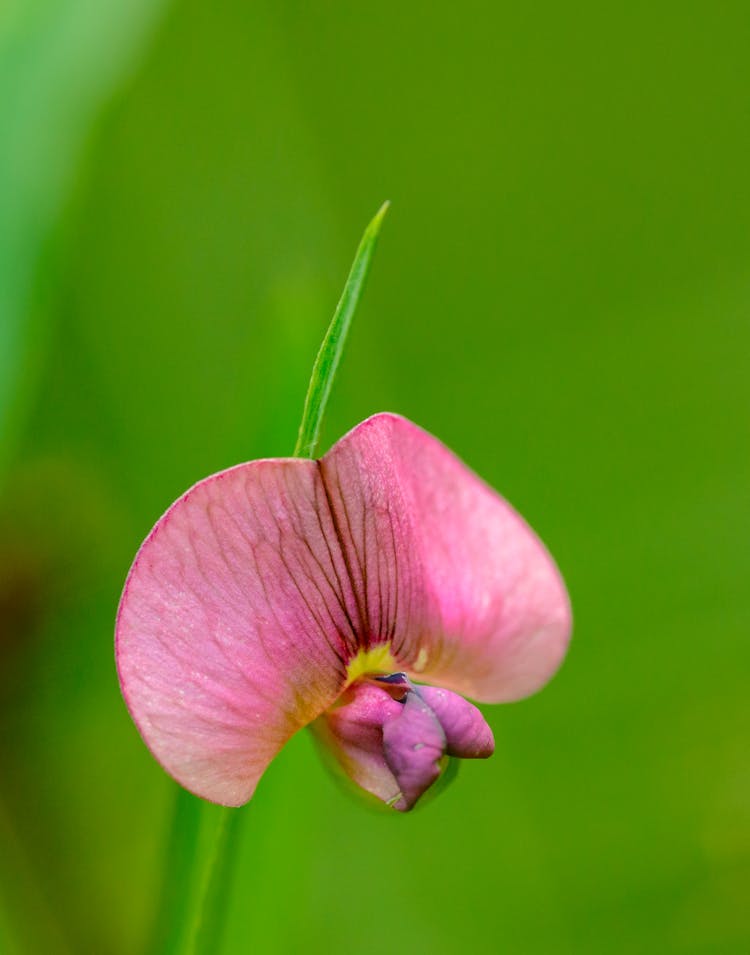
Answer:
(197, 877)
(209, 924)
(203, 838)
(172, 914)
(329, 355)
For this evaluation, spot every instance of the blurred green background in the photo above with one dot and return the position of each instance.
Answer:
(561, 294)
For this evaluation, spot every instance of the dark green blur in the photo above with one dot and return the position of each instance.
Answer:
(561, 293)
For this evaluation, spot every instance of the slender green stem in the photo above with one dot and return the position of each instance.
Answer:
(329, 355)
(209, 923)
(203, 838)
(197, 877)
(172, 914)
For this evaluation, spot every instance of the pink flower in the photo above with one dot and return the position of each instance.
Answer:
(288, 592)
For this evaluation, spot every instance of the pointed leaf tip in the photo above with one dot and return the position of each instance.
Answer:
(377, 219)
(329, 355)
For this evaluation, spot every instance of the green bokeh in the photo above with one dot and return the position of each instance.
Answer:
(561, 293)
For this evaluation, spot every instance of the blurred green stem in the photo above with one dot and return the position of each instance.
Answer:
(181, 862)
(203, 838)
(216, 889)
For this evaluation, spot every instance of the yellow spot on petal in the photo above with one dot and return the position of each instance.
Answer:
(421, 662)
(375, 660)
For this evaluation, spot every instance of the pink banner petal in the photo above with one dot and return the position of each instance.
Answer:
(445, 568)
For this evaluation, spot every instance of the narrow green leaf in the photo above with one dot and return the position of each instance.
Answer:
(327, 363)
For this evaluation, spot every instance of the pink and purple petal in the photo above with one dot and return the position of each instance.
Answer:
(414, 746)
(390, 748)
(391, 737)
(352, 732)
(467, 735)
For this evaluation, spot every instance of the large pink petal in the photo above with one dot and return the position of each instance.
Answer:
(443, 566)
(236, 625)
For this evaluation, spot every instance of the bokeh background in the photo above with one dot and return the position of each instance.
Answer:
(561, 293)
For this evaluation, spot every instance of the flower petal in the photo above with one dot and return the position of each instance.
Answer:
(444, 568)
(352, 732)
(467, 735)
(391, 748)
(414, 745)
(235, 625)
